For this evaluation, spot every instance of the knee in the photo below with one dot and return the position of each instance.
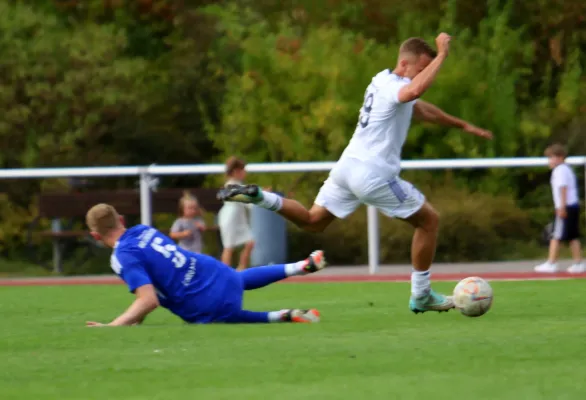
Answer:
(315, 226)
(431, 223)
(317, 222)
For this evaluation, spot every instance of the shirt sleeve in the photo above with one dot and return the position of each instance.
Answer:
(177, 226)
(131, 270)
(562, 177)
(393, 90)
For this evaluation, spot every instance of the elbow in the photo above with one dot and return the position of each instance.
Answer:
(150, 304)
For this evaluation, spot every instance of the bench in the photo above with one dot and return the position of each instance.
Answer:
(66, 211)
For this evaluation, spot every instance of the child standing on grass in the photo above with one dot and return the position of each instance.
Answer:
(233, 219)
(188, 228)
(564, 187)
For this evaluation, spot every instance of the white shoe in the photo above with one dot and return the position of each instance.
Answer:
(577, 268)
(547, 268)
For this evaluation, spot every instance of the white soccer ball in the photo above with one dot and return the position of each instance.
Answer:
(473, 296)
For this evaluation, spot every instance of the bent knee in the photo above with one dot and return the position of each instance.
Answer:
(433, 220)
(319, 219)
(426, 218)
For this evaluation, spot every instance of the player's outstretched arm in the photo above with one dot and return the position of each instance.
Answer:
(428, 112)
(425, 78)
(145, 303)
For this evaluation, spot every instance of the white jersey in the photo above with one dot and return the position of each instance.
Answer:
(563, 176)
(383, 124)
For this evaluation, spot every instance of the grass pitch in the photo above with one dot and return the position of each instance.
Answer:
(368, 346)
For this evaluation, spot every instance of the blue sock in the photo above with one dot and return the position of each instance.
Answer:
(249, 317)
(258, 277)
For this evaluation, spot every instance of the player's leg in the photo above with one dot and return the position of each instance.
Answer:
(259, 317)
(315, 219)
(244, 260)
(334, 200)
(399, 199)
(258, 277)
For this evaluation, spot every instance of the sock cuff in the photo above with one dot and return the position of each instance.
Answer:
(420, 273)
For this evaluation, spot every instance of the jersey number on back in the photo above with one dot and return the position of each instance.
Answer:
(169, 250)
(366, 108)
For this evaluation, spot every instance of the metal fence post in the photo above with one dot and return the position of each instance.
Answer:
(373, 240)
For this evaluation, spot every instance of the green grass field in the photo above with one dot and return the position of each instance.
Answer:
(368, 346)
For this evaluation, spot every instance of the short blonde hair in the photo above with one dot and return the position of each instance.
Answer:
(417, 47)
(102, 218)
(556, 150)
(186, 198)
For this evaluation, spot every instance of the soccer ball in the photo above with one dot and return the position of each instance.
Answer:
(473, 296)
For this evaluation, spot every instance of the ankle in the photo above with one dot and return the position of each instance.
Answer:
(271, 201)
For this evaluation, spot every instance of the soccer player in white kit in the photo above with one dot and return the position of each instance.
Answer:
(368, 170)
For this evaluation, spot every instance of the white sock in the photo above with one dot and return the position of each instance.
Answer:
(277, 316)
(271, 201)
(296, 268)
(420, 283)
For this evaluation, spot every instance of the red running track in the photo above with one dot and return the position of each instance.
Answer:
(325, 278)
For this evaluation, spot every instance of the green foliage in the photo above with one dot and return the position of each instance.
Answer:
(111, 82)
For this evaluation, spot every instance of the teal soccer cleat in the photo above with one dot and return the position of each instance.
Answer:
(431, 302)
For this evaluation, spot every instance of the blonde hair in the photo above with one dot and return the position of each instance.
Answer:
(187, 197)
(417, 47)
(102, 218)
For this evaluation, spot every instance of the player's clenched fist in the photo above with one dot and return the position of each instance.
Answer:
(443, 43)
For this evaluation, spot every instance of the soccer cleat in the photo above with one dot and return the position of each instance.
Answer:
(578, 268)
(432, 302)
(547, 268)
(302, 316)
(315, 262)
(241, 194)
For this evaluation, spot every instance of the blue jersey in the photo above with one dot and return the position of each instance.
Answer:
(195, 287)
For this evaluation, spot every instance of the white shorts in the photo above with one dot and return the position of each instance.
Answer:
(353, 182)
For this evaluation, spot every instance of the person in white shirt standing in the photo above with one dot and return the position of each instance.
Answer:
(368, 170)
(564, 187)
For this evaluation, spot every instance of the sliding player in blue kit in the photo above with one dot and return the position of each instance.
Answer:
(195, 287)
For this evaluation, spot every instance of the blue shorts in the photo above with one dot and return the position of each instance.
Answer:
(218, 302)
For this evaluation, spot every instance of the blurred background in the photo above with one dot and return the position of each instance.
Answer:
(113, 82)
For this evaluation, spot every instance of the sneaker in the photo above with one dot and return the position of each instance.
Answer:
(578, 268)
(432, 302)
(302, 316)
(547, 268)
(315, 262)
(240, 194)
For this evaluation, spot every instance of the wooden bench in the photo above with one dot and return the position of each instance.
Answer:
(70, 235)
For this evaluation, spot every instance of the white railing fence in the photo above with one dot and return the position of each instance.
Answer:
(148, 176)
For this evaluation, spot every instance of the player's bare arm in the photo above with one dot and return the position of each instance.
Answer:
(417, 87)
(430, 113)
(145, 303)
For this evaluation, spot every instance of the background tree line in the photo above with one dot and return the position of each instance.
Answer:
(113, 82)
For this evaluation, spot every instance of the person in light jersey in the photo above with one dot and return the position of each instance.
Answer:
(564, 189)
(197, 288)
(368, 170)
